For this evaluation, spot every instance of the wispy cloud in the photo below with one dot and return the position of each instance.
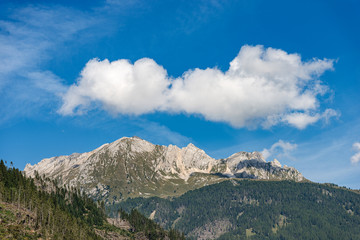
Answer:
(28, 39)
(154, 132)
(356, 157)
(301, 120)
(31, 34)
(279, 149)
(262, 87)
(200, 13)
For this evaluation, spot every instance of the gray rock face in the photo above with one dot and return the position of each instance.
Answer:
(131, 167)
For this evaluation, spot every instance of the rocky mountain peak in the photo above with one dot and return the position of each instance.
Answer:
(136, 137)
(276, 163)
(136, 167)
(190, 145)
(238, 157)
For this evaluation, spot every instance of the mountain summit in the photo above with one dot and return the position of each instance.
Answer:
(131, 167)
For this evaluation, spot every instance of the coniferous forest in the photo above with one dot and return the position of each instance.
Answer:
(247, 209)
(38, 208)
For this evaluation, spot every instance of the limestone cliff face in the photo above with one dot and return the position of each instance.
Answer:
(131, 167)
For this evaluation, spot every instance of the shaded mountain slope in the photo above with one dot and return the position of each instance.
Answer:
(244, 209)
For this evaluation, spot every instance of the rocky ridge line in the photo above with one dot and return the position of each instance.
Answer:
(135, 167)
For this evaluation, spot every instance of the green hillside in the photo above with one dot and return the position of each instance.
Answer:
(246, 209)
(38, 209)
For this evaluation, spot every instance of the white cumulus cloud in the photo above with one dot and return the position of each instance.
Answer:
(356, 157)
(279, 149)
(120, 86)
(262, 87)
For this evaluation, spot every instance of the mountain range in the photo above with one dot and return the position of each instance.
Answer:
(133, 167)
(239, 197)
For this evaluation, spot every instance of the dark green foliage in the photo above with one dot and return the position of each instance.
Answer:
(151, 230)
(58, 212)
(261, 209)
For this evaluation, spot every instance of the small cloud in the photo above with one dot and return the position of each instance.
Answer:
(330, 113)
(356, 157)
(262, 87)
(279, 149)
(301, 120)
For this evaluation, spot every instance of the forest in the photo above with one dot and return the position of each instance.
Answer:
(249, 209)
(39, 208)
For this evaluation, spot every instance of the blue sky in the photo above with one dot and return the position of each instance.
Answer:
(281, 77)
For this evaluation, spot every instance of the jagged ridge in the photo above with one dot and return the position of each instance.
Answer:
(131, 167)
